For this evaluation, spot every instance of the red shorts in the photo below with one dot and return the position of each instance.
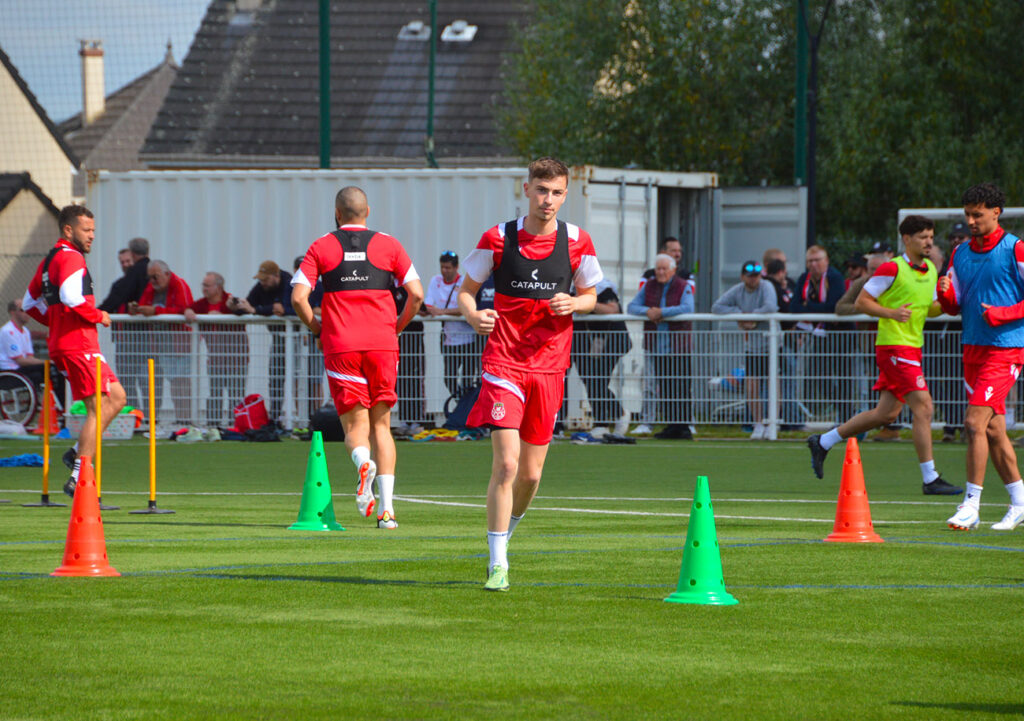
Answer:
(989, 374)
(899, 370)
(528, 402)
(362, 378)
(80, 370)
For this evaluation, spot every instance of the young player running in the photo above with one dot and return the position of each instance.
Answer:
(536, 260)
(60, 296)
(985, 284)
(359, 337)
(900, 294)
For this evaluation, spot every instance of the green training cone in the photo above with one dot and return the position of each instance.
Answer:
(316, 512)
(700, 578)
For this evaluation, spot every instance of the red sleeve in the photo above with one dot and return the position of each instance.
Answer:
(147, 295)
(387, 253)
(66, 264)
(310, 266)
(493, 241)
(948, 300)
(997, 316)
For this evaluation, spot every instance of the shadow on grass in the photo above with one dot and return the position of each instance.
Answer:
(116, 522)
(352, 580)
(1008, 709)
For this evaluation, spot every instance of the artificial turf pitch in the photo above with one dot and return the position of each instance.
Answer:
(223, 613)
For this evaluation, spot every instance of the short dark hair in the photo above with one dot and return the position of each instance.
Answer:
(450, 256)
(351, 202)
(774, 266)
(666, 241)
(914, 224)
(12, 305)
(70, 212)
(547, 168)
(986, 194)
(139, 246)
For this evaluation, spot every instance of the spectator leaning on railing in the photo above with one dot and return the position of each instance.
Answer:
(271, 296)
(817, 291)
(129, 354)
(751, 295)
(667, 342)
(227, 349)
(170, 343)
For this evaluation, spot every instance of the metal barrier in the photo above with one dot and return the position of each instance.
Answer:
(707, 371)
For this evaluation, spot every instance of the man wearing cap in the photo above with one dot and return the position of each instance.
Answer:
(901, 294)
(751, 295)
(856, 268)
(271, 295)
(458, 343)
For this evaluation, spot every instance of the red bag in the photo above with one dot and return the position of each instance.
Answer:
(251, 413)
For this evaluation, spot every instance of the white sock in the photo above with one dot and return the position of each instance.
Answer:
(972, 496)
(928, 472)
(386, 489)
(360, 456)
(1016, 491)
(514, 521)
(76, 447)
(830, 439)
(77, 468)
(497, 544)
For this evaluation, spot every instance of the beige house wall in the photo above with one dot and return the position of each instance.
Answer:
(27, 145)
(27, 232)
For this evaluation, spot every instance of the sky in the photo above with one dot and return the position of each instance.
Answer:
(41, 37)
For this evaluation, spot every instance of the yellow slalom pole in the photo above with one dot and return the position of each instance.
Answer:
(98, 460)
(46, 428)
(152, 434)
(152, 444)
(44, 500)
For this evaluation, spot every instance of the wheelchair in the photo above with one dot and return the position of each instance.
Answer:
(19, 397)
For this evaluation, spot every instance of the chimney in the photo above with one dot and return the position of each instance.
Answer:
(93, 95)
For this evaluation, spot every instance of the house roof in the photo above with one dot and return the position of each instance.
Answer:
(113, 140)
(248, 91)
(43, 117)
(13, 183)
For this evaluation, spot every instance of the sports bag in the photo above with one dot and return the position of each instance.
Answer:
(251, 413)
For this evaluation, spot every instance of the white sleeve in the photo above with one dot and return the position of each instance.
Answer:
(28, 303)
(71, 289)
(878, 284)
(410, 275)
(589, 274)
(300, 279)
(479, 264)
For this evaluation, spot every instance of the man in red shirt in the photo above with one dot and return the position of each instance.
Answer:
(227, 348)
(170, 343)
(60, 296)
(536, 260)
(358, 333)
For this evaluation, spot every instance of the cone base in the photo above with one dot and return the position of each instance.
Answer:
(152, 509)
(854, 537)
(706, 598)
(314, 526)
(85, 571)
(44, 502)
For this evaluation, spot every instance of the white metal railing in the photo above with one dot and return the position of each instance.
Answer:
(800, 378)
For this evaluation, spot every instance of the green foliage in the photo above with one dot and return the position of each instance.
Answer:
(917, 98)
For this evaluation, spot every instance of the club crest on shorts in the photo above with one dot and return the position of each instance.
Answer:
(920, 381)
(498, 410)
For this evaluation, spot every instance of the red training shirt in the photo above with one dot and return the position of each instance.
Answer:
(72, 322)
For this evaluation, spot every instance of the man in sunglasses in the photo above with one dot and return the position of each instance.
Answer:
(461, 364)
(752, 295)
(901, 294)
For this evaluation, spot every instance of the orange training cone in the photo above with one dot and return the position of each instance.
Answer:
(853, 516)
(51, 414)
(85, 552)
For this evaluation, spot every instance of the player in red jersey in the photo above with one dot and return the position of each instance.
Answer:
(358, 333)
(536, 260)
(60, 296)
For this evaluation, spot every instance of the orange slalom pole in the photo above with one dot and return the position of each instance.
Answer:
(97, 466)
(152, 433)
(46, 428)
